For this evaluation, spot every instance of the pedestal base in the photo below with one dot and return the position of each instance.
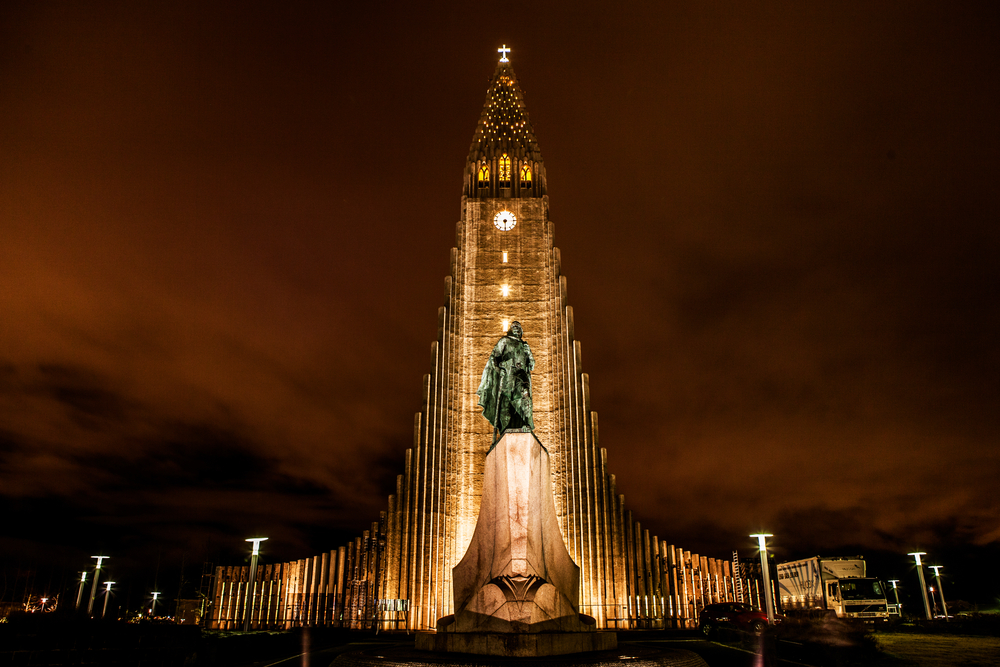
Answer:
(516, 575)
(517, 645)
(517, 589)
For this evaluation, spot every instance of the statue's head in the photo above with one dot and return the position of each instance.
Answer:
(515, 330)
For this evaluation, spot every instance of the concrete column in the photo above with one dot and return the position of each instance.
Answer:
(218, 590)
(321, 588)
(393, 542)
(331, 589)
(406, 529)
(339, 594)
(604, 551)
(625, 572)
(311, 589)
(629, 534)
(683, 565)
(618, 554)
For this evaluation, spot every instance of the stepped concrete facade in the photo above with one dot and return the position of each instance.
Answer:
(398, 574)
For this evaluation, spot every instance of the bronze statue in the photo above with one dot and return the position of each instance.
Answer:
(505, 390)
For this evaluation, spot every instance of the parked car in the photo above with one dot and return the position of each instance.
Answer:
(734, 615)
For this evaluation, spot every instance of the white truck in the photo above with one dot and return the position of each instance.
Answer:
(832, 585)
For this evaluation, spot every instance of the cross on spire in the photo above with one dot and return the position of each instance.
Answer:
(503, 51)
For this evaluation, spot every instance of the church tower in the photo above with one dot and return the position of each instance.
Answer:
(504, 268)
(398, 574)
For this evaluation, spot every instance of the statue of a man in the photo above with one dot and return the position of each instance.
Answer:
(505, 390)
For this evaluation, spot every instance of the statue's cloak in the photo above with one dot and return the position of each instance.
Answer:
(505, 389)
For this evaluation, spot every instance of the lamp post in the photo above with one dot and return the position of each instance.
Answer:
(107, 594)
(765, 570)
(937, 577)
(253, 571)
(923, 584)
(895, 591)
(93, 586)
(152, 607)
(79, 592)
(42, 607)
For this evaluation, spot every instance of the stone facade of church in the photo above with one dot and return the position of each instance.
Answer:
(504, 267)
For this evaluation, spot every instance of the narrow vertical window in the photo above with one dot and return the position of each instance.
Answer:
(505, 325)
(505, 290)
(525, 176)
(504, 256)
(484, 176)
(504, 169)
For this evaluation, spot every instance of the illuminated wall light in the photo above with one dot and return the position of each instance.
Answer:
(504, 256)
(505, 290)
(505, 325)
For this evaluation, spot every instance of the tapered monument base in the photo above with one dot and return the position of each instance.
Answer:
(516, 588)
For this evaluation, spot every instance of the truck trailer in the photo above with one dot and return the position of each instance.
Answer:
(836, 585)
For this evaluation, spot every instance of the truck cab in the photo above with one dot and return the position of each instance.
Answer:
(861, 597)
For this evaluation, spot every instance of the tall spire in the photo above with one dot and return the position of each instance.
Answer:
(504, 159)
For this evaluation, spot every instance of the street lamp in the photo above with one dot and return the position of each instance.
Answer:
(253, 571)
(93, 586)
(107, 594)
(937, 577)
(762, 545)
(79, 592)
(895, 591)
(923, 584)
(152, 608)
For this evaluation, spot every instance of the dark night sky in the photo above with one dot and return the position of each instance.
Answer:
(224, 232)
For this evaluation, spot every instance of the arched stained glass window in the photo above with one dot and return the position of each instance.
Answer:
(526, 176)
(504, 168)
(484, 176)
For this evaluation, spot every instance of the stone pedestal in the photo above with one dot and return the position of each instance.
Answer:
(516, 589)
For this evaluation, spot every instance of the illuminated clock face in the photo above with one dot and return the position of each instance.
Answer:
(504, 221)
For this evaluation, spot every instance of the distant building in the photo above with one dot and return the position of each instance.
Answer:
(398, 574)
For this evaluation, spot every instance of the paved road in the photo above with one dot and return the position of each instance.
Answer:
(716, 655)
(323, 657)
(713, 653)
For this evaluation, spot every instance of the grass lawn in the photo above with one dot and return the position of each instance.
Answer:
(939, 650)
